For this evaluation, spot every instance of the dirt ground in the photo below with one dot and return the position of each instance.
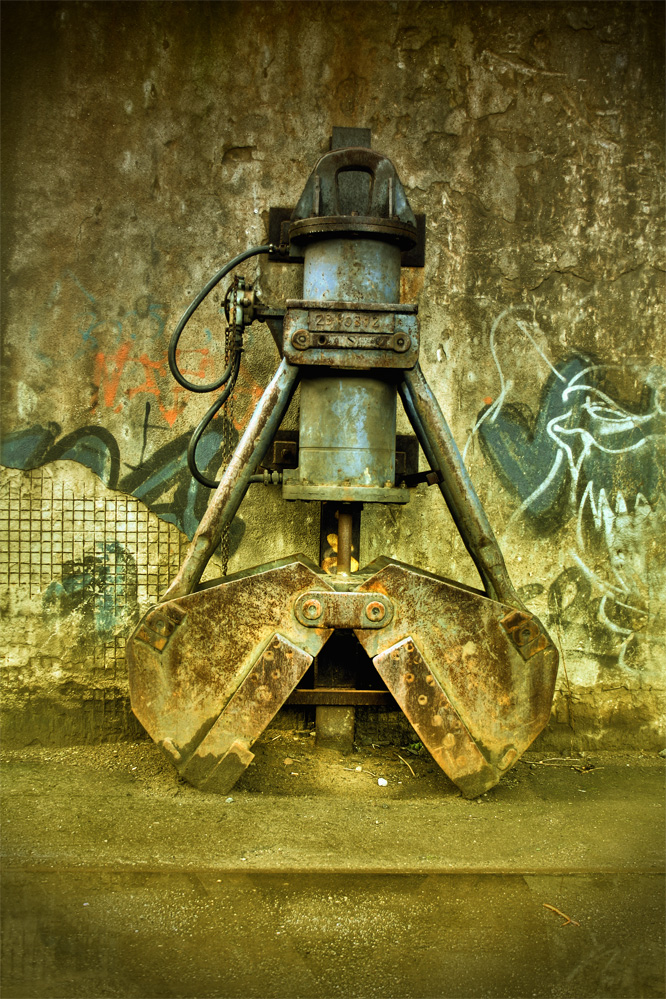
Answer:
(303, 808)
(311, 880)
(288, 762)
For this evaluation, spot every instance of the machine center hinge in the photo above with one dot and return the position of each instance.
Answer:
(330, 609)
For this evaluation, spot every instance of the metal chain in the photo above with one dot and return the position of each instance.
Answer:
(228, 419)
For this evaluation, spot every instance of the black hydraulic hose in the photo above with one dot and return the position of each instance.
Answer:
(201, 426)
(191, 309)
(228, 376)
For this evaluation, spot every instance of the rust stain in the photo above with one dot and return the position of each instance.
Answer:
(411, 283)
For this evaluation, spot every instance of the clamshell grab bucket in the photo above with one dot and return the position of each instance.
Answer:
(209, 671)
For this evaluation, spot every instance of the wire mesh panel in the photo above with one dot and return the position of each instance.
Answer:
(77, 561)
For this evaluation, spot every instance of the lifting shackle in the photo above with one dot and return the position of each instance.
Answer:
(210, 665)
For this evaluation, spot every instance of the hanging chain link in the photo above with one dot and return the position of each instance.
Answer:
(230, 345)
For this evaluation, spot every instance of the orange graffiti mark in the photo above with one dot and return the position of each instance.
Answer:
(202, 354)
(110, 378)
(150, 387)
(111, 369)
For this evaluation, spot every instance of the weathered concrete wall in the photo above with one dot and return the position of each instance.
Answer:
(144, 145)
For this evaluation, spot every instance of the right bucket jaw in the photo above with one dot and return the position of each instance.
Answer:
(474, 677)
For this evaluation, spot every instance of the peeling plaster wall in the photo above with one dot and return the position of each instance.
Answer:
(143, 146)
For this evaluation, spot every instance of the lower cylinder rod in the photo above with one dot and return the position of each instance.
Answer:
(345, 521)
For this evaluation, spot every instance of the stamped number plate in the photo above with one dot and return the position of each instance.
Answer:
(378, 336)
(353, 322)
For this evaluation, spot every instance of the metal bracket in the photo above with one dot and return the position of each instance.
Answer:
(159, 625)
(351, 334)
(279, 220)
(341, 697)
(283, 453)
(398, 342)
(330, 609)
(525, 633)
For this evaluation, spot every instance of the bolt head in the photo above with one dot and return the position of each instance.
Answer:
(312, 610)
(375, 611)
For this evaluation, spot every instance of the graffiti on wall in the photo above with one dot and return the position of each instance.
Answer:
(162, 481)
(100, 590)
(588, 456)
(124, 350)
(585, 455)
(128, 347)
(130, 376)
(77, 563)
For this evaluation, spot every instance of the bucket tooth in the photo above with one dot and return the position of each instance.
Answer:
(217, 773)
(475, 677)
(224, 753)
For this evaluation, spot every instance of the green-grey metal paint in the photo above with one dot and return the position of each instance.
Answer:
(347, 419)
(351, 440)
(352, 270)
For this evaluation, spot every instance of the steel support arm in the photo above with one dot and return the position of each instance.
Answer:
(247, 457)
(437, 441)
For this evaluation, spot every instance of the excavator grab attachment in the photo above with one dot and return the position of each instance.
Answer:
(473, 670)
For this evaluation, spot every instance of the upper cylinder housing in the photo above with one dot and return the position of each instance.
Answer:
(352, 223)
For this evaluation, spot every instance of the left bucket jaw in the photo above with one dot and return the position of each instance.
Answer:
(474, 677)
(210, 670)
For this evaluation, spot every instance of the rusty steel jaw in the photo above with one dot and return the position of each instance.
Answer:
(209, 670)
(475, 677)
